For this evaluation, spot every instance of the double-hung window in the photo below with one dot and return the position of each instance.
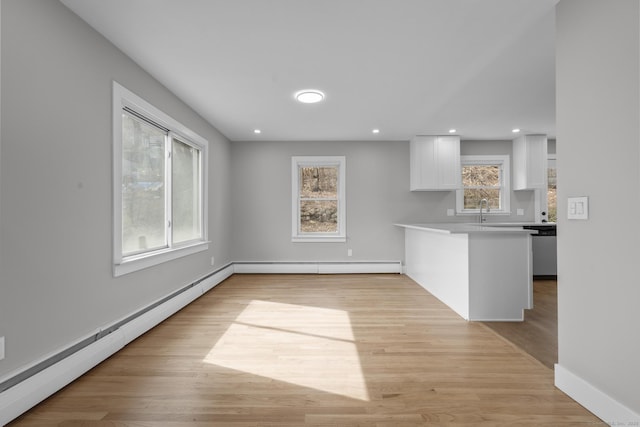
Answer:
(552, 207)
(160, 200)
(318, 199)
(484, 177)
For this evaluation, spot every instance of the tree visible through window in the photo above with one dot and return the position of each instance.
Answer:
(318, 199)
(143, 189)
(484, 177)
(159, 186)
(552, 208)
(481, 182)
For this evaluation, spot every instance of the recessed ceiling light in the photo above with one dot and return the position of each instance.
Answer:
(256, 131)
(516, 130)
(452, 131)
(375, 131)
(309, 96)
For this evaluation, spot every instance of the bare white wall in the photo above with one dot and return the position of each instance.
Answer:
(56, 281)
(377, 197)
(598, 155)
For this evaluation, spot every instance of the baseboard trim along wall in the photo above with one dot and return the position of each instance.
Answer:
(354, 267)
(22, 390)
(595, 400)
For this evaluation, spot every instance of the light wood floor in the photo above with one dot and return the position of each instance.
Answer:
(316, 350)
(538, 334)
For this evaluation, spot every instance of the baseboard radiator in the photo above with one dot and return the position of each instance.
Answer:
(23, 390)
(312, 267)
(30, 386)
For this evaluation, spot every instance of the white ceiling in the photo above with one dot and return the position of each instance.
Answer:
(406, 67)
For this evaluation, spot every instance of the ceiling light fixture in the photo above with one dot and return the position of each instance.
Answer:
(257, 131)
(375, 131)
(516, 130)
(309, 96)
(452, 131)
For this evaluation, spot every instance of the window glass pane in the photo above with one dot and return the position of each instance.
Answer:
(319, 182)
(472, 197)
(187, 223)
(143, 192)
(319, 216)
(551, 193)
(480, 175)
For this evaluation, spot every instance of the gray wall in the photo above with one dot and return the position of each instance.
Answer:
(598, 132)
(56, 282)
(377, 197)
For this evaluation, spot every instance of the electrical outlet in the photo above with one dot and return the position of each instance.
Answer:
(1, 348)
(213, 260)
(349, 252)
(520, 212)
(450, 212)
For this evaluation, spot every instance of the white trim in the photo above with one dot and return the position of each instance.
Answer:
(341, 235)
(318, 239)
(19, 398)
(275, 268)
(356, 268)
(158, 257)
(122, 97)
(593, 399)
(505, 176)
(318, 267)
(28, 393)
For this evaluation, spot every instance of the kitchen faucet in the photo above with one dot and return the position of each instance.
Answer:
(486, 203)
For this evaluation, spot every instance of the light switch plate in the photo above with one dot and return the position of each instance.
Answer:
(1, 348)
(578, 208)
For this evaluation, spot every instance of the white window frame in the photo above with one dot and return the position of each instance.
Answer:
(122, 264)
(318, 161)
(503, 161)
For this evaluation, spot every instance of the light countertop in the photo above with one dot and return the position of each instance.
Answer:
(464, 228)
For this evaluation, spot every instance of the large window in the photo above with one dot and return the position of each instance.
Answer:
(318, 194)
(159, 185)
(484, 177)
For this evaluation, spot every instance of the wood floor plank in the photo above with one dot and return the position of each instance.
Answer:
(314, 350)
(538, 334)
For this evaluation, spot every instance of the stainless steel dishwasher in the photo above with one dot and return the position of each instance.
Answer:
(545, 254)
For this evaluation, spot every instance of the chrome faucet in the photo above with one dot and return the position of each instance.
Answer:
(486, 203)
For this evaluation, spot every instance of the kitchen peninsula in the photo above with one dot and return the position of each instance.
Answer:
(481, 272)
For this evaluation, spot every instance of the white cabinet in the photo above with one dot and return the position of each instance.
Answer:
(435, 163)
(530, 162)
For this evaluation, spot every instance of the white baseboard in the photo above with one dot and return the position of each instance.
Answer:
(29, 392)
(274, 268)
(210, 282)
(356, 267)
(595, 400)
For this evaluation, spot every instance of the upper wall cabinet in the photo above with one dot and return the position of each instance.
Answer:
(435, 163)
(530, 162)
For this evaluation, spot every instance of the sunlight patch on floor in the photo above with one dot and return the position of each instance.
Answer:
(302, 345)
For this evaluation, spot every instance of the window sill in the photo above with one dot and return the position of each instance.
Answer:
(139, 262)
(318, 239)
